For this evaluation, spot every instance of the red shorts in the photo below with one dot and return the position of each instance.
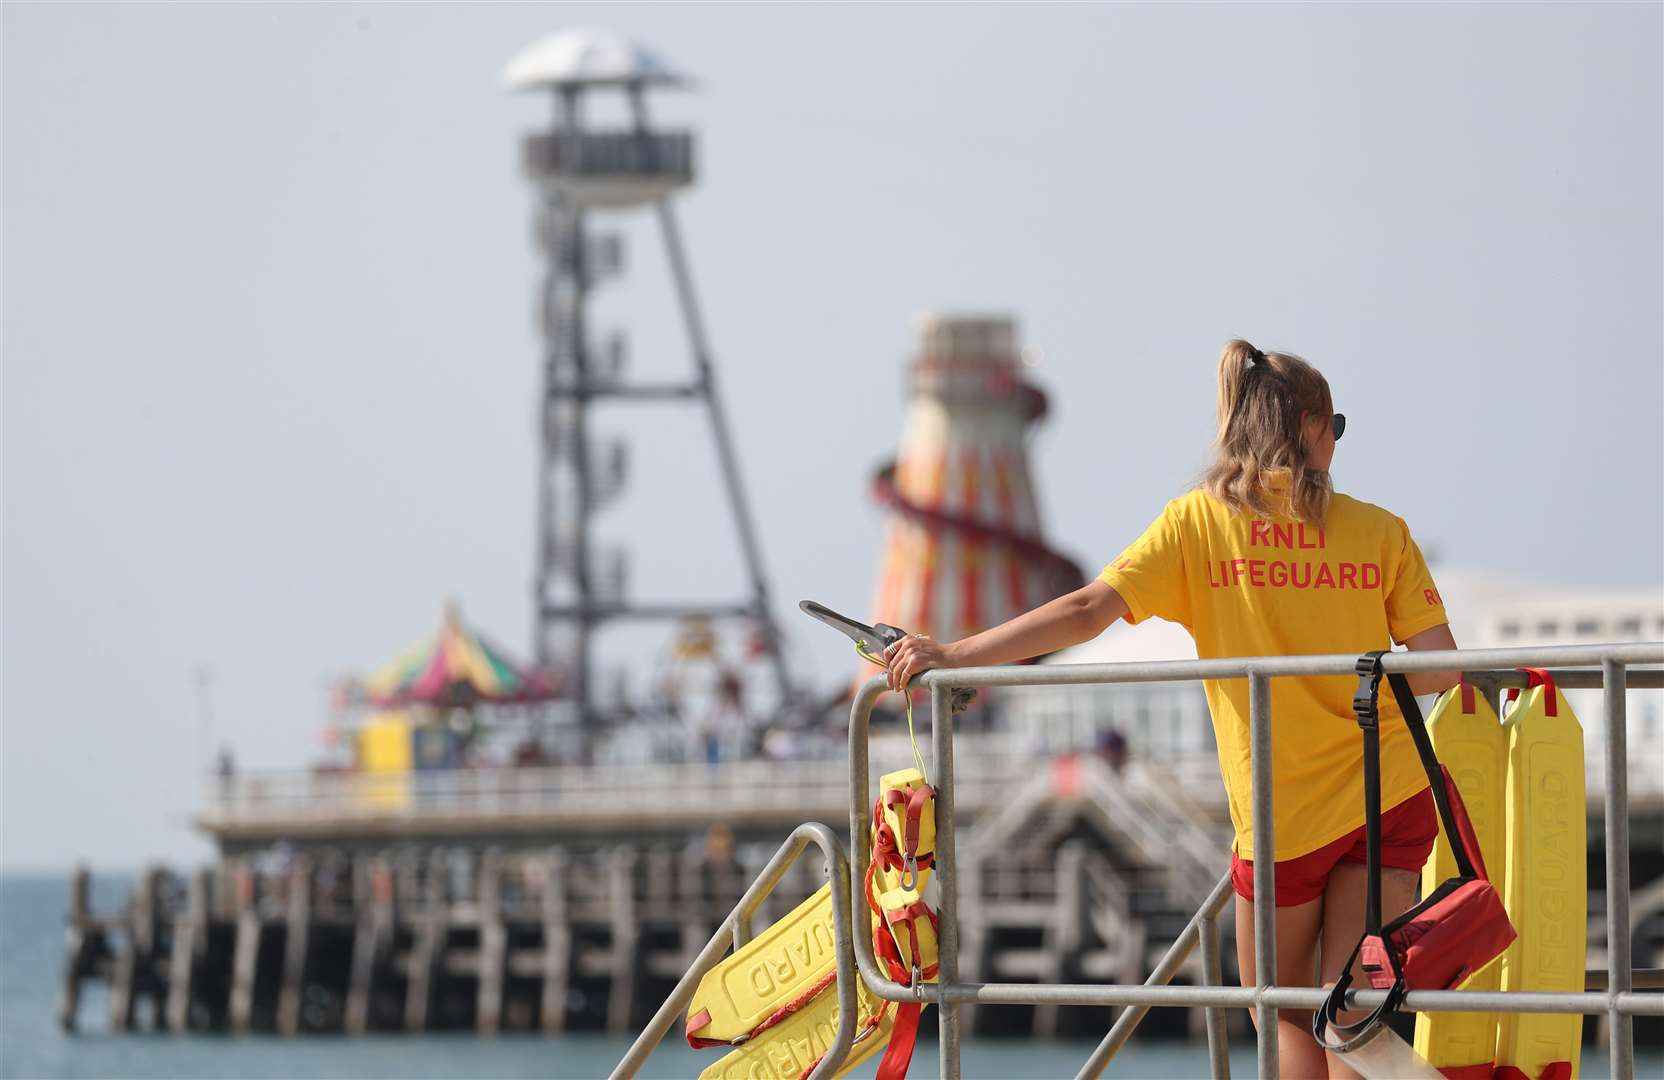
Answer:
(1407, 834)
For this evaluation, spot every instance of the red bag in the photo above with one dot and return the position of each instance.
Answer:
(1458, 928)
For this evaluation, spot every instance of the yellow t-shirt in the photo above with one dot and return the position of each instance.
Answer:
(1252, 585)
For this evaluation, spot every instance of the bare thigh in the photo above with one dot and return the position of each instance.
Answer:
(1343, 925)
(1298, 931)
(1343, 910)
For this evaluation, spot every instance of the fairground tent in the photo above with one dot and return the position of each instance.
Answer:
(455, 668)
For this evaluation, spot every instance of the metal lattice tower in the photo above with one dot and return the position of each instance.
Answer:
(578, 174)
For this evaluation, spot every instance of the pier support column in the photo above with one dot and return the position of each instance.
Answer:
(370, 944)
(297, 938)
(488, 1004)
(190, 942)
(431, 927)
(625, 938)
(557, 943)
(246, 953)
(78, 951)
(134, 970)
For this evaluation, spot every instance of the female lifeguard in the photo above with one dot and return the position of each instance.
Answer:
(1264, 558)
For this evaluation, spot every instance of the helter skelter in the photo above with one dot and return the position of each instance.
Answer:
(580, 173)
(965, 550)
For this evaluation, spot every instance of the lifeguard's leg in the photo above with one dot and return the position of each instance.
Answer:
(1343, 925)
(1298, 1055)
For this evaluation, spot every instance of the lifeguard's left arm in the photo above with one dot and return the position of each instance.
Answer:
(1434, 638)
(1069, 620)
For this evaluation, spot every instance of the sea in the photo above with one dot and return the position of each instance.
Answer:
(32, 915)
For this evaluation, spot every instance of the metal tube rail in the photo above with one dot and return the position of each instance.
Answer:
(837, 872)
(1299, 997)
(947, 879)
(1621, 1039)
(1213, 974)
(1201, 928)
(1492, 668)
(1265, 870)
(1502, 663)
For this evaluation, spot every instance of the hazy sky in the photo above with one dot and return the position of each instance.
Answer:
(269, 358)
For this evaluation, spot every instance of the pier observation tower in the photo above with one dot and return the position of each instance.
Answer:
(580, 174)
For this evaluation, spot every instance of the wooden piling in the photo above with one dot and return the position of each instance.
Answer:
(296, 941)
(557, 943)
(425, 950)
(133, 975)
(625, 939)
(372, 940)
(78, 947)
(190, 944)
(245, 957)
(488, 1001)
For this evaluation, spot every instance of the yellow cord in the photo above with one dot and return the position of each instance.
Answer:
(918, 758)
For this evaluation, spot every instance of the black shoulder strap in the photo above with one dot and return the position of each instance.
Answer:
(1435, 772)
(1364, 704)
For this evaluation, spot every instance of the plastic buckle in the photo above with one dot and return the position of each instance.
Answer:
(1369, 689)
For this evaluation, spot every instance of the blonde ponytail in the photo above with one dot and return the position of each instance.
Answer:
(1261, 398)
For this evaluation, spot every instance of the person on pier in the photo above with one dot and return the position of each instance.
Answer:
(1265, 558)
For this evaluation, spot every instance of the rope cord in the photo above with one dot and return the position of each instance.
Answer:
(907, 696)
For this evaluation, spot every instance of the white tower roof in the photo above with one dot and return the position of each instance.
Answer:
(586, 57)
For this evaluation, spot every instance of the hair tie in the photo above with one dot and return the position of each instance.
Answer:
(1255, 356)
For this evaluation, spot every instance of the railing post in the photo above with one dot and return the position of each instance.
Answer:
(1265, 870)
(947, 972)
(1219, 1053)
(1618, 959)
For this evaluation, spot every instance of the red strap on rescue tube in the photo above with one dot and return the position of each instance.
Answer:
(1468, 704)
(695, 1022)
(1536, 676)
(914, 801)
(899, 1055)
(1481, 1071)
(794, 1004)
(1554, 1070)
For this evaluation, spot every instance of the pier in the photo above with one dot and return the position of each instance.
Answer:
(553, 899)
(549, 899)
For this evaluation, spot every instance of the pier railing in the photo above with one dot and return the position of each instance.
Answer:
(296, 804)
(1609, 668)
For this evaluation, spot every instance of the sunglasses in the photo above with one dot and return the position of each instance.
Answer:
(1340, 425)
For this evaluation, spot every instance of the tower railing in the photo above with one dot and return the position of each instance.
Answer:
(610, 153)
(1607, 667)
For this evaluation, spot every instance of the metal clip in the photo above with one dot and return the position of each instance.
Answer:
(909, 868)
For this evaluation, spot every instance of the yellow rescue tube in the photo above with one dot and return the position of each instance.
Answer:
(909, 921)
(1471, 743)
(790, 1049)
(904, 783)
(776, 967)
(1546, 886)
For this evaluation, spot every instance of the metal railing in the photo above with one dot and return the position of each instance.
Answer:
(736, 931)
(1489, 669)
(610, 153)
(574, 796)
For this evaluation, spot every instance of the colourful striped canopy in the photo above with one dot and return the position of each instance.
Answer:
(455, 668)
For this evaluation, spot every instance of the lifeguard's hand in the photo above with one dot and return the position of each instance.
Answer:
(913, 655)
